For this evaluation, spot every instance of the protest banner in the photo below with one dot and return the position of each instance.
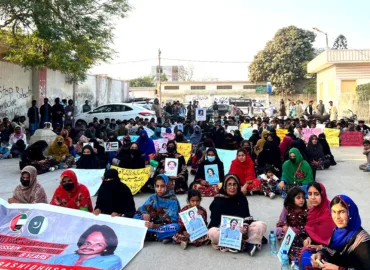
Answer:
(230, 232)
(92, 179)
(226, 156)
(194, 223)
(308, 132)
(212, 175)
(231, 129)
(247, 133)
(351, 138)
(201, 115)
(134, 179)
(320, 126)
(171, 166)
(161, 145)
(185, 150)
(53, 237)
(281, 133)
(245, 125)
(286, 243)
(332, 136)
(170, 136)
(111, 146)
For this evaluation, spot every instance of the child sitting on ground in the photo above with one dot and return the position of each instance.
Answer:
(366, 167)
(269, 181)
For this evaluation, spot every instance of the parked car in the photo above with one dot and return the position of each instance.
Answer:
(223, 109)
(117, 111)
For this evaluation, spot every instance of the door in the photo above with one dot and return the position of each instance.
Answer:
(101, 112)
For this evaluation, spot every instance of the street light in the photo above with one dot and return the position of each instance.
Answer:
(326, 34)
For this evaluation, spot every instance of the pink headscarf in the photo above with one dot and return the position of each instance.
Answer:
(284, 146)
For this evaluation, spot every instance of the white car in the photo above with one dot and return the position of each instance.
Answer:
(117, 111)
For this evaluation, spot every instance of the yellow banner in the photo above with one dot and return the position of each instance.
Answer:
(332, 136)
(134, 179)
(281, 133)
(185, 150)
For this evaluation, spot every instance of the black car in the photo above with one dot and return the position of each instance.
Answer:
(222, 110)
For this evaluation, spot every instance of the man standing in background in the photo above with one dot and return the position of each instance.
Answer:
(320, 108)
(33, 117)
(57, 113)
(333, 111)
(86, 107)
(215, 111)
(45, 112)
(69, 113)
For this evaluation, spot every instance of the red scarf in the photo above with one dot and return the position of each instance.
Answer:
(244, 170)
(320, 224)
(78, 198)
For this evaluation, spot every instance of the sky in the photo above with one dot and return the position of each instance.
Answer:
(223, 30)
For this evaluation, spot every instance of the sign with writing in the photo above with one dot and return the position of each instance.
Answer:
(134, 179)
(91, 178)
(230, 232)
(308, 132)
(185, 150)
(33, 236)
(194, 223)
(281, 133)
(226, 156)
(351, 138)
(111, 146)
(332, 136)
(286, 243)
(201, 114)
(247, 133)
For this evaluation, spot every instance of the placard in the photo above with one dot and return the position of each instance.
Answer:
(281, 133)
(226, 156)
(286, 243)
(185, 150)
(135, 179)
(171, 166)
(91, 178)
(332, 136)
(111, 146)
(351, 138)
(161, 145)
(231, 129)
(180, 127)
(194, 223)
(230, 232)
(308, 132)
(88, 143)
(247, 133)
(211, 174)
(201, 114)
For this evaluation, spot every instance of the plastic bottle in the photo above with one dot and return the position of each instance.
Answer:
(296, 265)
(272, 241)
(285, 261)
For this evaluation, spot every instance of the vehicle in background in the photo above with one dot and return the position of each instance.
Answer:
(223, 109)
(117, 111)
(245, 104)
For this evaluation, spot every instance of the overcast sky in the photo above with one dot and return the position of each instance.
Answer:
(224, 30)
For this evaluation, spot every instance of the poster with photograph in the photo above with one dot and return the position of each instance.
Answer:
(230, 234)
(286, 243)
(194, 223)
(211, 174)
(201, 115)
(180, 127)
(111, 146)
(231, 129)
(171, 166)
(161, 145)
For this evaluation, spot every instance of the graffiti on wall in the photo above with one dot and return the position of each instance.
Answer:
(14, 101)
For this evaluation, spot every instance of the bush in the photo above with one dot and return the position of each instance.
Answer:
(363, 91)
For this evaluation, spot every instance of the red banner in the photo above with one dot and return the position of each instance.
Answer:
(351, 138)
(10, 264)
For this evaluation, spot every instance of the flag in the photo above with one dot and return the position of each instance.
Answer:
(37, 225)
(18, 222)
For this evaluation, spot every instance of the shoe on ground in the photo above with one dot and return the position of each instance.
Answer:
(251, 249)
(233, 250)
(251, 193)
(166, 241)
(272, 195)
(184, 245)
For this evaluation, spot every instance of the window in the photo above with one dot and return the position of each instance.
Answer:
(120, 108)
(224, 87)
(253, 86)
(198, 87)
(103, 109)
(168, 87)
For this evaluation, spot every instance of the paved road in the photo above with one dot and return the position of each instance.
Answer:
(343, 178)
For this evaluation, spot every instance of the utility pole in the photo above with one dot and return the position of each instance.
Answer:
(159, 76)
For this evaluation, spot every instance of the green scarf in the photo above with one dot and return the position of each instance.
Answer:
(290, 169)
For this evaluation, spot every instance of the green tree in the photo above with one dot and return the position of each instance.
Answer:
(144, 81)
(66, 35)
(284, 59)
(340, 43)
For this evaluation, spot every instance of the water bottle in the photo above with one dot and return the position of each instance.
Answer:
(285, 261)
(61, 165)
(272, 241)
(296, 265)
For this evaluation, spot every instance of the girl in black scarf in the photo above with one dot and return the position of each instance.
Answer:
(254, 138)
(316, 154)
(133, 159)
(270, 155)
(326, 148)
(88, 159)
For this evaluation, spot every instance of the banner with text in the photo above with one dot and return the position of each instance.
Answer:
(332, 136)
(351, 138)
(308, 132)
(135, 179)
(185, 150)
(42, 236)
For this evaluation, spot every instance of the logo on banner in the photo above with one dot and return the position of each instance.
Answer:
(38, 225)
(18, 222)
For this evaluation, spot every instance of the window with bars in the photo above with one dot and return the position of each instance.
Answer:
(224, 87)
(198, 87)
(171, 87)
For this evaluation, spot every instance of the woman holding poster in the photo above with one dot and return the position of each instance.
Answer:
(200, 183)
(232, 202)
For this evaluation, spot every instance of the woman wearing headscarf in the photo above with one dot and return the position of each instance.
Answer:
(270, 155)
(160, 211)
(67, 140)
(296, 172)
(284, 146)
(316, 154)
(88, 159)
(83, 139)
(181, 180)
(29, 190)
(275, 138)
(180, 137)
(133, 159)
(195, 161)
(326, 148)
(146, 145)
(261, 142)
(157, 134)
(282, 110)
(243, 167)
(100, 153)
(71, 194)
(232, 202)
(206, 189)
(237, 137)
(254, 138)
(248, 146)
(60, 152)
(301, 146)
(349, 245)
(17, 142)
(114, 197)
(156, 107)
(34, 156)
(196, 136)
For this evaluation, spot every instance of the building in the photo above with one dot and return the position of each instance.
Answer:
(172, 72)
(338, 74)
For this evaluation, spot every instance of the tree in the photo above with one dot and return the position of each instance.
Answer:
(284, 59)
(340, 43)
(145, 81)
(70, 36)
(186, 73)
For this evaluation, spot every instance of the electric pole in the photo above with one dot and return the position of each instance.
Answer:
(159, 76)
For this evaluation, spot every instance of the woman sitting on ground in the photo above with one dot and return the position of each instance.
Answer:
(88, 159)
(349, 245)
(200, 183)
(133, 159)
(160, 211)
(114, 197)
(34, 156)
(71, 194)
(326, 148)
(316, 154)
(17, 142)
(232, 202)
(29, 190)
(60, 153)
(270, 155)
